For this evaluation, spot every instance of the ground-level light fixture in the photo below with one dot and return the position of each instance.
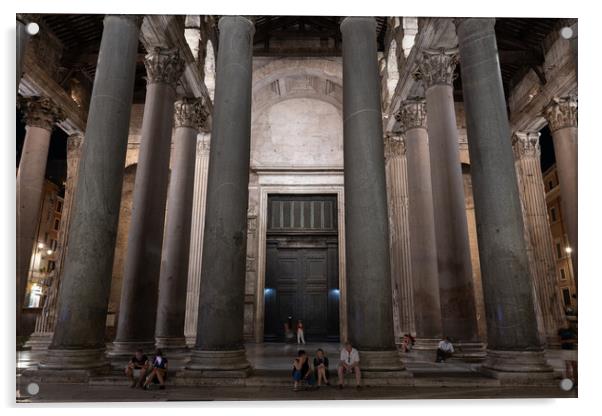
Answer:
(49, 252)
(568, 250)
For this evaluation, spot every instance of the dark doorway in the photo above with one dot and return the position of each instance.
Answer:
(302, 277)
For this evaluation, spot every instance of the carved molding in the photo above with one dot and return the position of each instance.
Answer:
(561, 112)
(74, 144)
(41, 112)
(411, 114)
(203, 144)
(164, 66)
(395, 146)
(437, 66)
(191, 112)
(526, 144)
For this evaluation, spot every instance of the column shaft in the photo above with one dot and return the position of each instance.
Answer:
(369, 300)
(458, 310)
(540, 244)
(40, 116)
(171, 310)
(219, 343)
(196, 239)
(562, 118)
(513, 341)
(22, 39)
(138, 304)
(399, 236)
(423, 241)
(45, 323)
(78, 339)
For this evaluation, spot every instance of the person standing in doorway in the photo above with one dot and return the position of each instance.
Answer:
(300, 336)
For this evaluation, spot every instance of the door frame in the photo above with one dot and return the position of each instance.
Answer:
(262, 214)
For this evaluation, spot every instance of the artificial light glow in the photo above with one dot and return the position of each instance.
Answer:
(568, 250)
(32, 29)
(49, 252)
(40, 245)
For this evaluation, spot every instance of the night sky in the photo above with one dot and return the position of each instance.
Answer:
(547, 149)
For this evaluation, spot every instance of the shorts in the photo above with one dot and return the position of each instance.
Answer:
(297, 376)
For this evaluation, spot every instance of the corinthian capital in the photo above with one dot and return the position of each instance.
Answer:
(526, 144)
(41, 112)
(437, 67)
(190, 112)
(411, 115)
(561, 112)
(395, 146)
(164, 66)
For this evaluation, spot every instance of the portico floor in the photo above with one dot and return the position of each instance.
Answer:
(272, 363)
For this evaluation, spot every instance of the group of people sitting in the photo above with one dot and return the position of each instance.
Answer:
(445, 348)
(141, 372)
(304, 374)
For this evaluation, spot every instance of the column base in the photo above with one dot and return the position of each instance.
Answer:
(518, 367)
(70, 366)
(170, 345)
(424, 349)
(214, 364)
(381, 368)
(470, 351)
(119, 350)
(39, 341)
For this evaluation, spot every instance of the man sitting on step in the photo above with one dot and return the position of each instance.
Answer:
(444, 350)
(136, 368)
(349, 363)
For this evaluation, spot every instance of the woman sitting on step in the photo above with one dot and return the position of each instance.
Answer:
(159, 371)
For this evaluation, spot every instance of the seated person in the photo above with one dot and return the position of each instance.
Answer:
(321, 367)
(159, 370)
(444, 350)
(301, 370)
(136, 368)
(349, 363)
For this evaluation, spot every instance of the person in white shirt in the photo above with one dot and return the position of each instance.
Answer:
(349, 363)
(444, 350)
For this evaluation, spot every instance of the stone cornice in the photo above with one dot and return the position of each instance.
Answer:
(526, 144)
(41, 112)
(395, 146)
(437, 66)
(164, 66)
(561, 112)
(190, 112)
(411, 115)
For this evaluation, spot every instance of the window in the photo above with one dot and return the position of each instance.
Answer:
(45, 238)
(553, 214)
(558, 251)
(53, 245)
(562, 274)
(550, 185)
(51, 266)
(566, 296)
(57, 222)
(59, 206)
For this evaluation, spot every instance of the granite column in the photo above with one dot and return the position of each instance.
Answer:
(423, 243)
(457, 298)
(561, 114)
(169, 334)
(515, 353)
(219, 349)
(78, 343)
(139, 294)
(40, 116)
(369, 300)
